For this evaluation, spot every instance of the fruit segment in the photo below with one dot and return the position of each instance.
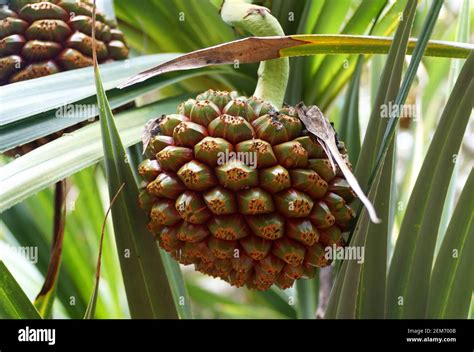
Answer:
(46, 37)
(236, 188)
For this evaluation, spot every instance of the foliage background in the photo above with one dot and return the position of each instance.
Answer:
(178, 26)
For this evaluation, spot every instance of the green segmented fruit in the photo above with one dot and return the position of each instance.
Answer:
(203, 112)
(236, 175)
(41, 38)
(196, 176)
(341, 187)
(11, 45)
(220, 201)
(210, 150)
(291, 155)
(228, 227)
(51, 30)
(235, 129)
(222, 249)
(188, 134)
(271, 264)
(263, 152)
(12, 25)
(236, 188)
(164, 213)
(308, 181)
(270, 226)
(40, 50)
(167, 123)
(117, 50)
(166, 185)
(313, 147)
(35, 70)
(255, 201)
(9, 64)
(157, 144)
(171, 158)
(83, 43)
(255, 247)
(191, 208)
(270, 129)
(38, 11)
(315, 256)
(149, 169)
(275, 179)
(219, 98)
(188, 232)
(237, 107)
(323, 168)
(259, 107)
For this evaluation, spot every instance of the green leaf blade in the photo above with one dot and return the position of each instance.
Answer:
(452, 282)
(412, 260)
(14, 304)
(148, 290)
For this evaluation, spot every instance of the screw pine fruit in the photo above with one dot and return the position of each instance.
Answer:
(241, 191)
(39, 38)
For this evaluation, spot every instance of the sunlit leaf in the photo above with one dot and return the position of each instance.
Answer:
(148, 291)
(452, 281)
(14, 304)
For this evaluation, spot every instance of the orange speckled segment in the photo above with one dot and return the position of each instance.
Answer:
(45, 37)
(255, 200)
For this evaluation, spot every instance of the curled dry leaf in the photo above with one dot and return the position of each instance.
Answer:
(150, 130)
(319, 126)
(244, 51)
(255, 49)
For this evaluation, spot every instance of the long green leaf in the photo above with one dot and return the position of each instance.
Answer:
(32, 97)
(420, 48)
(148, 291)
(462, 35)
(329, 21)
(372, 282)
(156, 19)
(349, 129)
(45, 123)
(372, 288)
(359, 281)
(180, 292)
(172, 268)
(383, 27)
(64, 156)
(452, 282)
(255, 49)
(411, 264)
(45, 299)
(14, 304)
(359, 22)
(295, 88)
(307, 298)
(290, 14)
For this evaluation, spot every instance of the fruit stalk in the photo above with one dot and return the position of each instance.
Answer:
(272, 74)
